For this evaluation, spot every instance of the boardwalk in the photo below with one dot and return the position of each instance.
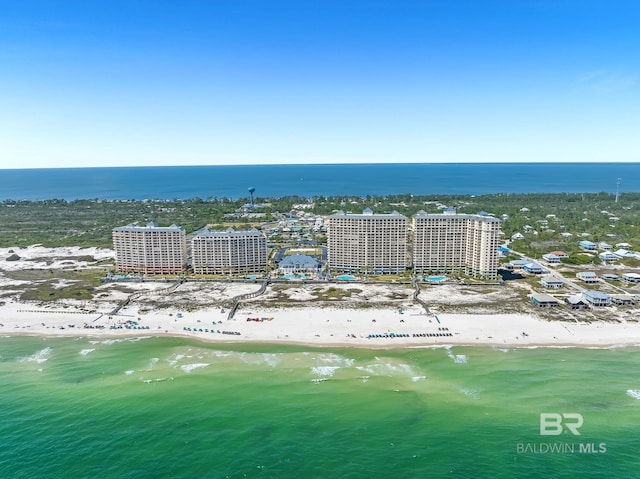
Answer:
(242, 297)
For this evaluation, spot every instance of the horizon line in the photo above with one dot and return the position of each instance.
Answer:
(325, 164)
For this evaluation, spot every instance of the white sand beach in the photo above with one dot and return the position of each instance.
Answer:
(198, 310)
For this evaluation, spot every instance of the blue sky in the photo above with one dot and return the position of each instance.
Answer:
(124, 83)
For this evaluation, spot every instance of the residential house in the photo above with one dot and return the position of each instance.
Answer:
(551, 258)
(551, 282)
(597, 298)
(534, 268)
(631, 277)
(587, 277)
(588, 245)
(544, 300)
(576, 301)
(623, 299)
(608, 257)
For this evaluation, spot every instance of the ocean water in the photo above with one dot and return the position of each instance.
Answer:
(173, 408)
(188, 182)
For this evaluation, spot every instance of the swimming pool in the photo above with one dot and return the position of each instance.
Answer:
(435, 279)
(346, 277)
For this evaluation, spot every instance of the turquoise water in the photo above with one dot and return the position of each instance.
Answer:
(173, 408)
(289, 276)
(436, 279)
(346, 277)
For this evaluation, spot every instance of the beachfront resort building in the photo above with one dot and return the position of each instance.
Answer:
(229, 252)
(367, 242)
(150, 249)
(451, 242)
(298, 263)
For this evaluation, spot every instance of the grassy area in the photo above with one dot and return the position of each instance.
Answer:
(50, 285)
(333, 294)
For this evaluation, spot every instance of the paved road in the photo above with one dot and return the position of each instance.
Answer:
(566, 281)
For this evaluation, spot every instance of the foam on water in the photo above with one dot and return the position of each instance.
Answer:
(419, 400)
(157, 380)
(38, 357)
(174, 358)
(634, 393)
(187, 368)
(111, 341)
(221, 354)
(389, 369)
(457, 358)
(84, 352)
(335, 359)
(152, 362)
(324, 371)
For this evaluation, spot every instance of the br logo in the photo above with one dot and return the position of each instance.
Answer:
(553, 424)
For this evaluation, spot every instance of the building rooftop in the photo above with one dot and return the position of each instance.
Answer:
(587, 274)
(299, 260)
(599, 295)
(543, 298)
(149, 226)
(574, 299)
(228, 233)
(368, 214)
(450, 212)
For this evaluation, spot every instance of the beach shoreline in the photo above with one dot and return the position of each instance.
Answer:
(371, 316)
(323, 328)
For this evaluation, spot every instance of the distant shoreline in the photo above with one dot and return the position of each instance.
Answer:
(330, 179)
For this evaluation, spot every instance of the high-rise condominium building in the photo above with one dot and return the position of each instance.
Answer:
(367, 242)
(453, 242)
(228, 252)
(150, 249)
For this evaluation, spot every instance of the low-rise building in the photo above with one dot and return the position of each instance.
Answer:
(534, 268)
(608, 257)
(623, 299)
(551, 282)
(551, 258)
(631, 277)
(588, 245)
(298, 263)
(610, 277)
(597, 298)
(544, 300)
(587, 277)
(576, 301)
